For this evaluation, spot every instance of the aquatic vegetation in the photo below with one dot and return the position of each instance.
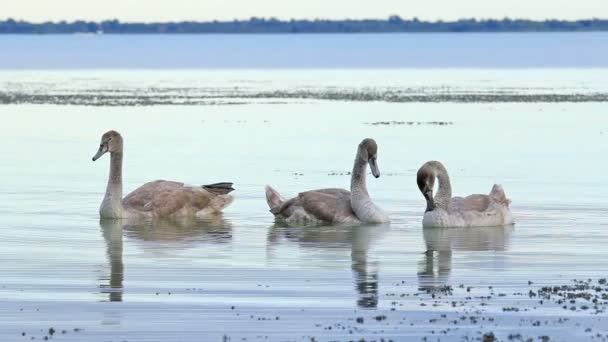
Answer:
(409, 123)
(197, 96)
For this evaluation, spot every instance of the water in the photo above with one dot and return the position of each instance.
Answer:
(225, 51)
(243, 276)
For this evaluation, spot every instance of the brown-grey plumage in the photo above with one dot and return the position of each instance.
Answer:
(334, 205)
(158, 198)
(328, 205)
(443, 210)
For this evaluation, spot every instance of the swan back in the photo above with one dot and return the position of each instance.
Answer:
(472, 211)
(173, 199)
(312, 207)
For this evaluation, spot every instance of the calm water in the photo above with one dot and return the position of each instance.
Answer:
(437, 50)
(240, 275)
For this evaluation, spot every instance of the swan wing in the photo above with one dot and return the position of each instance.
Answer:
(165, 198)
(475, 202)
(326, 204)
(479, 202)
(477, 211)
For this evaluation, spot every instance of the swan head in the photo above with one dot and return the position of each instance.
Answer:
(111, 141)
(426, 181)
(368, 151)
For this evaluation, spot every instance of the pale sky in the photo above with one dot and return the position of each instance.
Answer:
(202, 10)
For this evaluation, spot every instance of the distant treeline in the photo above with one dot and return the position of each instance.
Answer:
(261, 25)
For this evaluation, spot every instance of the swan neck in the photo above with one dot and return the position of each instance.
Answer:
(112, 202)
(444, 191)
(115, 179)
(362, 205)
(357, 181)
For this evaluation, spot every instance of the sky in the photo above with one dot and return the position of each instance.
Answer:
(203, 10)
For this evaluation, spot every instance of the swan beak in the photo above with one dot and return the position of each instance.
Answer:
(374, 166)
(102, 149)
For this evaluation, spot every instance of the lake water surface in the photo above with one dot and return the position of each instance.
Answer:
(240, 276)
(286, 51)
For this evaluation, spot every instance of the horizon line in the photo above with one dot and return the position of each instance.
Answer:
(292, 19)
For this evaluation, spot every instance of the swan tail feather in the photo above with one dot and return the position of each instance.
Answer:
(499, 196)
(274, 199)
(222, 188)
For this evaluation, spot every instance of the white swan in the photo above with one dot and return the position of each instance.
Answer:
(334, 205)
(158, 198)
(443, 210)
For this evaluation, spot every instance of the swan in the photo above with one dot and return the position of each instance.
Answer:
(443, 210)
(159, 198)
(334, 205)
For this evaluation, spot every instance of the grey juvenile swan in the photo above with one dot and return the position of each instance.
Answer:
(158, 198)
(443, 210)
(334, 205)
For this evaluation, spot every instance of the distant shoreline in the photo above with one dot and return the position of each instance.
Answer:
(394, 24)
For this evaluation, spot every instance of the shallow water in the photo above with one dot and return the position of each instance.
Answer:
(240, 87)
(243, 276)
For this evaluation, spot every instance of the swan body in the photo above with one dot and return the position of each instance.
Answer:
(443, 210)
(157, 199)
(336, 206)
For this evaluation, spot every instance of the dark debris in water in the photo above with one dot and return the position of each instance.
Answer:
(467, 307)
(348, 173)
(49, 334)
(339, 173)
(460, 312)
(409, 123)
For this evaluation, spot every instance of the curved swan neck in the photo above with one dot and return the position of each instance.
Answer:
(357, 180)
(112, 202)
(362, 205)
(444, 190)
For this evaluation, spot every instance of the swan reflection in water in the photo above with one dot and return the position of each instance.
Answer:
(357, 239)
(176, 233)
(436, 264)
